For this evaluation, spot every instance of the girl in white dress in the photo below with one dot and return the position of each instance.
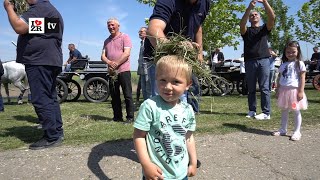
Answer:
(290, 91)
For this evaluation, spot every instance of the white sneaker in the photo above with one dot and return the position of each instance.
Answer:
(262, 116)
(251, 114)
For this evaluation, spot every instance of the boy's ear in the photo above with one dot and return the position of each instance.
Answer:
(188, 86)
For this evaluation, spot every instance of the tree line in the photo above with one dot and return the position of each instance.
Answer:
(221, 27)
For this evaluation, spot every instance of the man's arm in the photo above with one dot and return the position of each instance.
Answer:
(270, 14)
(198, 40)
(155, 31)
(245, 17)
(18, 25)
(124, 57)
(110, 63)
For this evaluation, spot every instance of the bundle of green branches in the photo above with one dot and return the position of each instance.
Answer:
(20, 6)
(179, 46)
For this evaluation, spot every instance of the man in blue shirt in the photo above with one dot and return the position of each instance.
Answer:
(42, 55)
(74, 54)
(176, 16)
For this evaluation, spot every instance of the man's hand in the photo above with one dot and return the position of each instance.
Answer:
(113, 65)
(7, 4)
(252, 4)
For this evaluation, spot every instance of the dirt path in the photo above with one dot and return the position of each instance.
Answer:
(245, 155)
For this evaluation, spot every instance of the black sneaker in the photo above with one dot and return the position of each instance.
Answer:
(129, 121)
(198, 163)
(43, 143)
(117, 120)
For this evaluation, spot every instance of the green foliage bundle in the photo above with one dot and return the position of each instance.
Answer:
(20, 6)
(180, 46)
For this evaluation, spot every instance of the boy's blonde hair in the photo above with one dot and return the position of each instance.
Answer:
(173, 62)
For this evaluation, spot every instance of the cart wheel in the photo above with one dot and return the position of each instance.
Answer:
(74, 90)
(222, 86)
(231, 87)
(96, 89)
(240, 88)
(316, 82)
(204, 87)
(62, 90)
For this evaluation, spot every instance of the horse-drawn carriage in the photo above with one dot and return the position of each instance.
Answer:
(95, 87)
(313, 75)
(225, 78)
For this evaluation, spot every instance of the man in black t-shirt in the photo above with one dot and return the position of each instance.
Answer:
(42, 55)
(315, 59)
(256, 57)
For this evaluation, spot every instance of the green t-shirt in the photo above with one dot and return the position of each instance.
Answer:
(167, 127)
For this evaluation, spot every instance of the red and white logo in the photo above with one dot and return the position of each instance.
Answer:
(36, 25)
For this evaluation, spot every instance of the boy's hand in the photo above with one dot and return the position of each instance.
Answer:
(192, 169)
(152, 172)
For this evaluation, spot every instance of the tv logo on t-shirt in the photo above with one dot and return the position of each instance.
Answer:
(43, 25)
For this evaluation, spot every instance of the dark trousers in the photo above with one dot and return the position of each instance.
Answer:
(138, 89)
(42, 81)
(1, 100)
(123, 80)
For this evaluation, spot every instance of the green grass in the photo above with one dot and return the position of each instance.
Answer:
(87, 123)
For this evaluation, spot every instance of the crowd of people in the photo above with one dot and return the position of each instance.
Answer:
(164, 125)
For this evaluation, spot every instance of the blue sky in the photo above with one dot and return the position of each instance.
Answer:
(85, 26)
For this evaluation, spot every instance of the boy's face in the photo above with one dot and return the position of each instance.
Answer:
(171, 84)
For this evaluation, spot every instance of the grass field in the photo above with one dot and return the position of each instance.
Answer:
(87, 123)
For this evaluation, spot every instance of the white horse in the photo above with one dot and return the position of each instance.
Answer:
(14, 73)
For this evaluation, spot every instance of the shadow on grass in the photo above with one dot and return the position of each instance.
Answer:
(313, 101)
(246, 129)
(96, 117)
(123, 148)
(27, 134)
(28, 118)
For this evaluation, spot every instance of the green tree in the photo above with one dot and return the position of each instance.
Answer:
(308, 15)
(148, 2)
(221, 27)
(284, 25)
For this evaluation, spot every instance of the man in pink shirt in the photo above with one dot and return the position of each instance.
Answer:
(116, 53)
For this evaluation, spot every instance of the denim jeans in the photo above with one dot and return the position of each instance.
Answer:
(194, 98)
(271, 79)
(42, 81)
(123, 80)
(145, 82)
(152, 78)
(258, 69)
(67, 68)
